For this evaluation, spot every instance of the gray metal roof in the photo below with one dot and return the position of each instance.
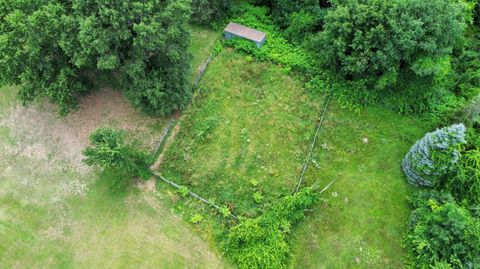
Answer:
(245, 32)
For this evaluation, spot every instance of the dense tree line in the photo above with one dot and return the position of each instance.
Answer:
(56, 49)
(208, 11)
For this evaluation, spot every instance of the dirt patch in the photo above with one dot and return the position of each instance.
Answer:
(158, 163)
(42, 135)
(147, 186)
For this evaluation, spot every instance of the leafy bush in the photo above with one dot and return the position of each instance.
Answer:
(262, 242)
(276, 48)
(442, 234)
(434, 156)
(109, 150)
(465, 184)
(55, 49)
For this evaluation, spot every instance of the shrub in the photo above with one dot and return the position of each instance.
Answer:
(109, 150)
(442, 234)
(434, 156)
(465, 184)
(262, 242)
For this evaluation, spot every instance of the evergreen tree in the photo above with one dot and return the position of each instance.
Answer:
(434, 156)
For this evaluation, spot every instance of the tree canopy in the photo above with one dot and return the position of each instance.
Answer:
(376, 38)
(55, 49)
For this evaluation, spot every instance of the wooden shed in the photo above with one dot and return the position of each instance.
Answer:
(236, 30)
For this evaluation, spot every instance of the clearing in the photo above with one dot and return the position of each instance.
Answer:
(243, 141)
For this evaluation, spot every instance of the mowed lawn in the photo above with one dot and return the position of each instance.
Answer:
(249, 131)
(246, 132)
(361, 220)
(57, 213)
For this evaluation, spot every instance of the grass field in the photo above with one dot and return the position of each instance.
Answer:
(248, 132)
(57, 213)
(241, 143)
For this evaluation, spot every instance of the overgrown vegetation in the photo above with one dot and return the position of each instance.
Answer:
(262, 242)
(442, 234)
(58, 49)
(277, 49)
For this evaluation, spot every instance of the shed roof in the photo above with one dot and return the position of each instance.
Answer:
(245, 32)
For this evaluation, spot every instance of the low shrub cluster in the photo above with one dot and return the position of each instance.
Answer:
(262, 242)
(442, 233)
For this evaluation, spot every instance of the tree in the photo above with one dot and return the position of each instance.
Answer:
(31, 54)
(53, 48)
(207, 11)
(434, 156)
(108, 150)
(384, 38)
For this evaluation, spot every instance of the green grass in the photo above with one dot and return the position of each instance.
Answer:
(201, 44)
(252, 123)
(48, 221)
(362, 218)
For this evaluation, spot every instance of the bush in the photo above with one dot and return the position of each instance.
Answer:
(465, 184)
(442, 234)
(109, 150)
(434, 156)
(262, 242)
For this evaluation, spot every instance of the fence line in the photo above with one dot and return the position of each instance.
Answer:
(194, 195)
(312, 145)
(164, 135)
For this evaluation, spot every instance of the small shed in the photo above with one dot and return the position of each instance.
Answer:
(237, 30)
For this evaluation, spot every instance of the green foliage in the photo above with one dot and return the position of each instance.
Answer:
(434, 156)
(225, 211)
(442, 234)
(262, 242)
(401, 54)
(372, 38)
(183, 191)
(208, 11)
(276, 48)
(197, 218)
(109, 150)
(465, 184)
(56, 49)
(258, 197)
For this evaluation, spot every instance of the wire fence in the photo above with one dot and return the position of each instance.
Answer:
(314, 141)
(163, 136)
(192, 194)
